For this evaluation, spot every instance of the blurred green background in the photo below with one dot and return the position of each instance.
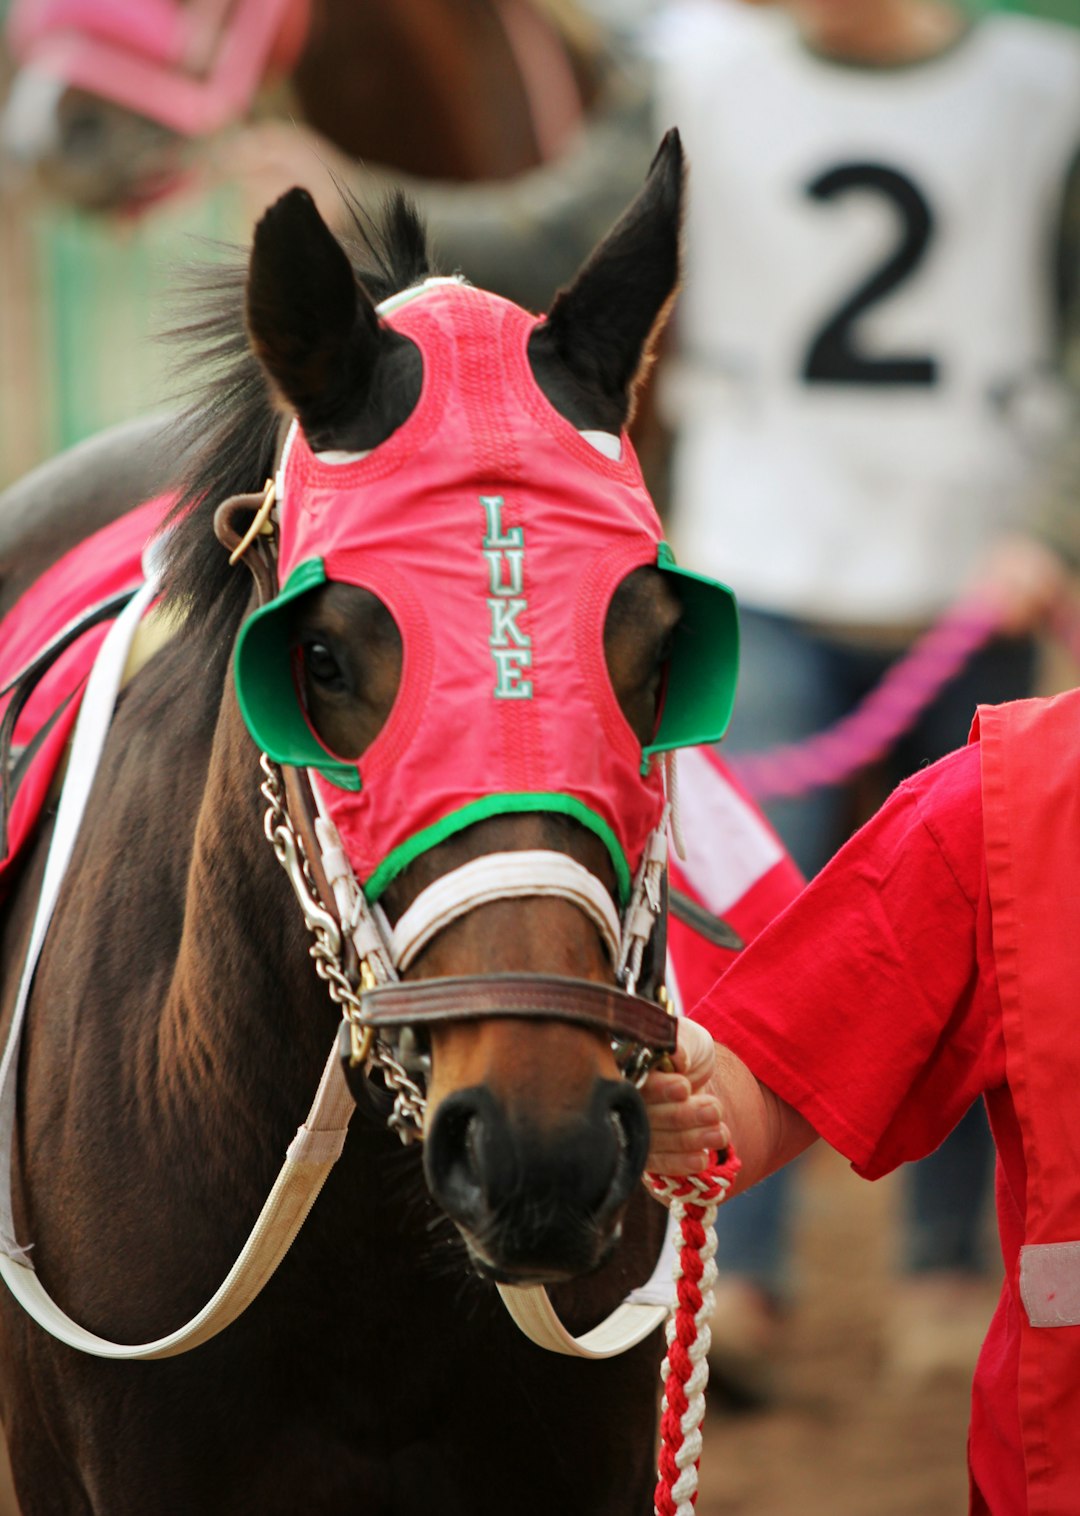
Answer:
(1057, 10)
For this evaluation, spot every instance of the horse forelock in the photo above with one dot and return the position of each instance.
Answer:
(229, 431)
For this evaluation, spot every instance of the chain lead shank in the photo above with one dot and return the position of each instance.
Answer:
(407, 1118)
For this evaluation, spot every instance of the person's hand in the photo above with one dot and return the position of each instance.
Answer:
(1023, 580)
(684, 1114)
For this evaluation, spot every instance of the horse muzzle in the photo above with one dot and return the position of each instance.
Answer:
(536, 1186)
(537, 1205)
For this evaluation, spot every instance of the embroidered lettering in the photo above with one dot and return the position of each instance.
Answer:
(509, 661)
(495, 536)
(510, 561)
(504, 549)
(504, 627)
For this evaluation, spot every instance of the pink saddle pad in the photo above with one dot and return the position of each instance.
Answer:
(104, 565)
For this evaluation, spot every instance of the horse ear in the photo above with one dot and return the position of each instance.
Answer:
(603, 325)
(312, 326)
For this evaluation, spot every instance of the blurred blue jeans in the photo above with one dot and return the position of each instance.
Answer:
(794, 682)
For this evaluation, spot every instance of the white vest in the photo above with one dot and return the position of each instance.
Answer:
(848, 458)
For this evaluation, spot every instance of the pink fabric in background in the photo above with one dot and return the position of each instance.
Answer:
(154, 28)
(182, 66)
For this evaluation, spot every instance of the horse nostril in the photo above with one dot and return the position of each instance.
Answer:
(455, 1160)
(475, 1161)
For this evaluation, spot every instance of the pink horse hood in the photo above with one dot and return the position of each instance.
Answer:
(496, 537)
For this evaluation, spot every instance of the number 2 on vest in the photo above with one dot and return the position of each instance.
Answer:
(833, 355)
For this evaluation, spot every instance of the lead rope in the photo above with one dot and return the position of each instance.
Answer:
(694, 1200)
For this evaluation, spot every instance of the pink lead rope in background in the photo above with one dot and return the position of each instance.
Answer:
(874, 727)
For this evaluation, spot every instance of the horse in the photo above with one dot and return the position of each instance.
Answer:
(175, 1028)
(108, 99)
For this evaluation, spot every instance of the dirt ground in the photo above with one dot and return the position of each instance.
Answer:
(847, 1436)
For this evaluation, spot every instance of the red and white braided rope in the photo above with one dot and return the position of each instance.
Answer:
(694, 1200)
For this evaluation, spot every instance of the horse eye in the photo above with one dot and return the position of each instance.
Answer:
(322, 668)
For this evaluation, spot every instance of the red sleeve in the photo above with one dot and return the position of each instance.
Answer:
(871, 1003)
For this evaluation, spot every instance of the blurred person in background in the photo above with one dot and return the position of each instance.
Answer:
(880, 261)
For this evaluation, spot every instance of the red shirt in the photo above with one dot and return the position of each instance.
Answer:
(871, 1005)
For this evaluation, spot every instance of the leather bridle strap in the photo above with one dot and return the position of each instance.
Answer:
(465, 997)
(600, 1007)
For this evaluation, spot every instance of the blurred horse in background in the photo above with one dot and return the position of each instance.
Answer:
(172, 120)
(113, 98)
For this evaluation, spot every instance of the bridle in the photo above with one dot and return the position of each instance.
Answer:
(361, 957)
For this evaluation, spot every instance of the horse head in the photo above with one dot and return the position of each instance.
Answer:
(479, 651)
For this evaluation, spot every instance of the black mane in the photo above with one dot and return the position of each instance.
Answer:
(228, 435)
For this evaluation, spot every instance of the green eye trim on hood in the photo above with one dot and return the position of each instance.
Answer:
(704, 668)
(698, 702)
(266, 690)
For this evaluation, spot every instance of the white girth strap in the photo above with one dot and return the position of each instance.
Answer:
(311, 1155)
(502, 876)
(628, 1324)
(312, 1152)
(91, 729)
